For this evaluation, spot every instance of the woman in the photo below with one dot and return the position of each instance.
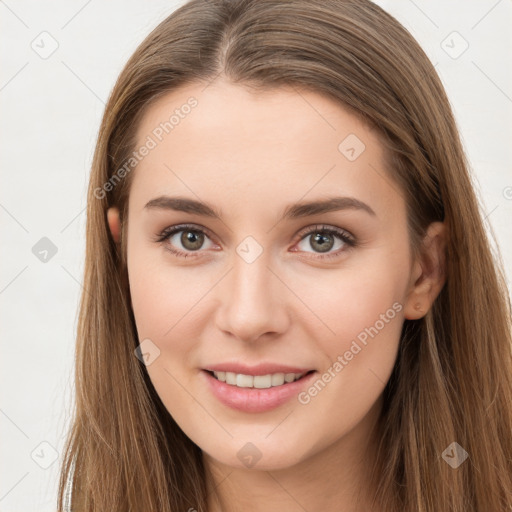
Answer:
(290, 298)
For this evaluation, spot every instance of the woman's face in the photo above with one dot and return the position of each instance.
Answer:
(268, 282)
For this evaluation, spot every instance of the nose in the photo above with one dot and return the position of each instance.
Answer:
(252, 301)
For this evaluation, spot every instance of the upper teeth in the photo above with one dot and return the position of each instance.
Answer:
(257, 381)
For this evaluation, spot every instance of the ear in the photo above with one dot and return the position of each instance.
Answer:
(114, 223)
(428, 275)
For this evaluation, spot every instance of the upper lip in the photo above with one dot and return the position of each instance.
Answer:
(259, 369)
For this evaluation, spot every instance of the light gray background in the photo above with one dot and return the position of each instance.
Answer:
(51, 110)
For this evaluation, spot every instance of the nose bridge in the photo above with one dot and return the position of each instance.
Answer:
(250, 305)
(251, 280)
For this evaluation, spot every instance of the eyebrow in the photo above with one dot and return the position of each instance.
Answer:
(293, 211)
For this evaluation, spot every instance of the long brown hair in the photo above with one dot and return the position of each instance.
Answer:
(452, 381)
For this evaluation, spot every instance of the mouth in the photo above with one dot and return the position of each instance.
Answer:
(258, 381)
(256, 393)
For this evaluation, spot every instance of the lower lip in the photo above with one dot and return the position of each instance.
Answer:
(253, 399)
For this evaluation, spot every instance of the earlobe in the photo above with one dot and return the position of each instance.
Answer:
(429, 276)
(114, 223)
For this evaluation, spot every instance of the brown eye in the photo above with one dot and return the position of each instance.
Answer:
(322, 242)
(323, 239)
(183, 241)
(192, 240)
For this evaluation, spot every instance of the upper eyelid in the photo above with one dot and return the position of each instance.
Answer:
(191, 227)
(325, 227)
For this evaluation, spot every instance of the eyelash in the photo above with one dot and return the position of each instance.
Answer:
(345, 237)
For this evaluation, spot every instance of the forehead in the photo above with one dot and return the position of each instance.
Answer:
(253, 149)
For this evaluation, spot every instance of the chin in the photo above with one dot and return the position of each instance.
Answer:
(258, 455)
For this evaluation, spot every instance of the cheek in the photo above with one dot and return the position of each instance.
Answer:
(366, 310)
(352, 303)
(163, 297)
(163, 301)
(363, 312)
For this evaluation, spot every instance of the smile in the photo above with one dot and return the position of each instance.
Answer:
(244, 395)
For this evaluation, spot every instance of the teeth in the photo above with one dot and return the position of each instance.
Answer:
(258, 381)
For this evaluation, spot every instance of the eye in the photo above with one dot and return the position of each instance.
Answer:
(191, 238)
(324, 240)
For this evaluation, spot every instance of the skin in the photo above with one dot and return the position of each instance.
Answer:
(250, 155)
